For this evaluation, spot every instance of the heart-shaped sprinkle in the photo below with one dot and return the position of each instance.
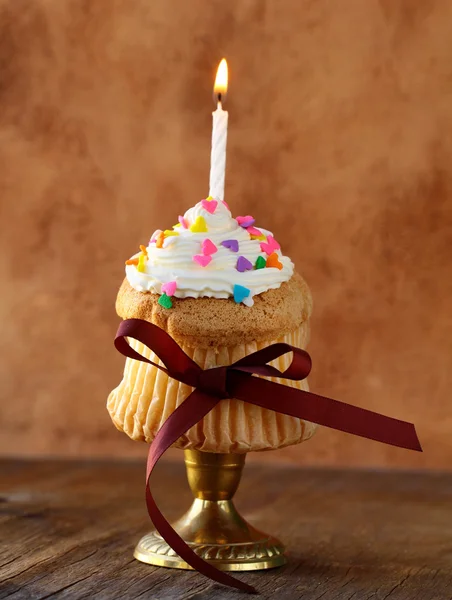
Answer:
(261, 262)
(165, 301)
(155, 235)
(209, 205)
(182, 221)
(272, 261)
(202, 259)
(243, 264)
(256, 233)
(270, 246)
(169, 288)
(245, 221)
(232, 245)
(199, 226)
(208, 247)
(240, 293)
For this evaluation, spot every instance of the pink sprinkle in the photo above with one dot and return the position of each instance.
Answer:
(270, 246)
(155, 235)
(208, 247)
(226, 204)
(202, 259)
(245, 221)
(254, 231)
(169, 288)
(209, 205)
(183, 221)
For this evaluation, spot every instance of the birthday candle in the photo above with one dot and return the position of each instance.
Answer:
(219, 134)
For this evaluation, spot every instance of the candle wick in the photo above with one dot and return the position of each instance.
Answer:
(219, 100)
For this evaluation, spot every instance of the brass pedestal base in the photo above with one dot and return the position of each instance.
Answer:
(212, 527)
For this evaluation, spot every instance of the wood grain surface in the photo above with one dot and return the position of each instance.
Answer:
(68, 529)
(340, 116)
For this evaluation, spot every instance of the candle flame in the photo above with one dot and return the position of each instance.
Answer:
(221, 81)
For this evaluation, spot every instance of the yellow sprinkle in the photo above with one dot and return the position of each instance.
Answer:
(258, 237)
(209, 198)
(144, 250)
(177, 225)
(141, 263)
(169, 232)
(199, 226)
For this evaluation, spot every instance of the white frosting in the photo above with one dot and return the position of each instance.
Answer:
(174, 261)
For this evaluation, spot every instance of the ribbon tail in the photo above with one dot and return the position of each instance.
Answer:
(325, 411)
(190, 412)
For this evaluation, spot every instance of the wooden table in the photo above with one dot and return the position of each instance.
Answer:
(68, 529)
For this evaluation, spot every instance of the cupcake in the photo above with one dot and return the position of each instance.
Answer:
(221, 287)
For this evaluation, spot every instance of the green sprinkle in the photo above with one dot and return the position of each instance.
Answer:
(165, 301)
(260, 262)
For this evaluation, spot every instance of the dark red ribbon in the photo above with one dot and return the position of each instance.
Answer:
(236, 381)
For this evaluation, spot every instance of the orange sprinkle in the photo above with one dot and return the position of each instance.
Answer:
(132, 261)
(159, 240)
(144, 250)
(272, 261)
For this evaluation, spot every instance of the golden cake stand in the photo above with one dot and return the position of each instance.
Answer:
(212, 527)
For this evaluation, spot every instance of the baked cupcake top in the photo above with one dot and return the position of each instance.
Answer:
(210, 254)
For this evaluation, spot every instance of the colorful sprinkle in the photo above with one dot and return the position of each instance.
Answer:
(202, 259)
(226, 204)
(245, 221)
(170, 232)
(177, 226)
(182, 221)
(261, 263)
(208, 247)
(240, 293)
(243, 264)
(256, 234)
(169, 288)
(159, 240)
(132, 261)
(155, 235)
(165, 301)
(272, 261)
(209, 205)
(144, 250)
(199, 226)
(141, 263)
(232, 245)
(270, 246)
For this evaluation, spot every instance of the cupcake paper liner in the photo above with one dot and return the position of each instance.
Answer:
(146, 397)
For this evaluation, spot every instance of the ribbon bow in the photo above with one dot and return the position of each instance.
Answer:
(236, 381)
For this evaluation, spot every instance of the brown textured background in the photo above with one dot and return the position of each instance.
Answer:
(340, 140)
